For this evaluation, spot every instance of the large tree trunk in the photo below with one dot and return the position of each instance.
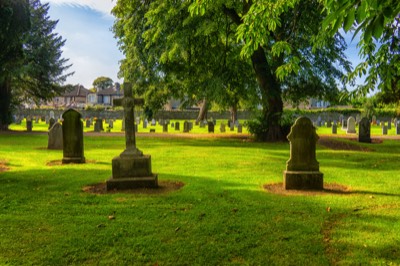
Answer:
(5, 103)
(234, 114)
(203, 111)
(271, 96)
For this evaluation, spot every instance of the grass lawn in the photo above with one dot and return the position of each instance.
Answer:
(221, 216)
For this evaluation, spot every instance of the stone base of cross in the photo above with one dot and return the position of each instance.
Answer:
(131, 169)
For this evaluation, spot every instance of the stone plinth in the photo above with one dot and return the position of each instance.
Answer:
(303, 180)
(132, 172)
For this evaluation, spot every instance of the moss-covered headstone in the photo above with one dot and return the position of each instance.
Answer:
(364, 134)
(302, 168)
(72, 129)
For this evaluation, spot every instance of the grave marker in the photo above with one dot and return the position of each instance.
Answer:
(72, 130)
(302, 168)
(364, 134)
(55, 141)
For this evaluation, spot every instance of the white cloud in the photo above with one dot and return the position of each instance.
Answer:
(103, 6)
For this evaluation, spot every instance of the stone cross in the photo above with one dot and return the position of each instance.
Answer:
(128, 103)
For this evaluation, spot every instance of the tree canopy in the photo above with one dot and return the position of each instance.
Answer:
(229, 50)
(376, 24)
(34, 69)
(102, 83)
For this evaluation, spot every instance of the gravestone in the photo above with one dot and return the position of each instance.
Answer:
(29, 125)
(384, 130)
(329, 123)
(72, 130)
(302, 168)
(232, 127)
(374, 120)
(351, 125)
(131, 169)
(172, 125)
(334, 128)
(344, 123)
(98, 125)
(186, 127)
(145, 123)
(165, 128)
(87, 123)
(190, 126)
(239, 128)
(177, 126)
(111, 123)
(398, 129)
(51, 114)
(210, 125)
(55, 141)
(153, 122)
(389, 125)
(222, 128)
(52, 121)
(364, 134)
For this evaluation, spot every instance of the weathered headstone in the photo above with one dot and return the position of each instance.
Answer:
(190, 126)
(351, 125)
(186, 127)
(302, 169)
(55, 141)
(334, 128)
(177, 126)
(210, 125)
(364, 130)
(98, 125)
(51, 114)
(239, 128)
(222, 128)
(384, 130)
(145, 123)
(29, 125)
(172, 125)
(131, 169)
(72, 130)
(153, 122)
(52, 121)
(374, 120)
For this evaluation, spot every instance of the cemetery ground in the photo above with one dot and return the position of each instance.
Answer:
(217, 210)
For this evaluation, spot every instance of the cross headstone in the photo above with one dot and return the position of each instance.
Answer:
(131, 169)
(364, 130)
(72, 129)
(55, 141)
(302, 168)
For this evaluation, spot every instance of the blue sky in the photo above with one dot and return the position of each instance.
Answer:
(90, 44)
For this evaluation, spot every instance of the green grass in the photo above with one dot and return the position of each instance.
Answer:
(221, 216)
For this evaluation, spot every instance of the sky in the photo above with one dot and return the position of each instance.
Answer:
(90, 44)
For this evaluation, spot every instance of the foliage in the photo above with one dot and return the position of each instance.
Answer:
(102, 83)
(37, 66)
(259, 126)
(378, 22)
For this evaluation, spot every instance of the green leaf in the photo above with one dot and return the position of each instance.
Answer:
(361, 11)
(348, 21)
(378, 27)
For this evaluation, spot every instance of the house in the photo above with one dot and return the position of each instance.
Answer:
(75, 97)
(105, 97)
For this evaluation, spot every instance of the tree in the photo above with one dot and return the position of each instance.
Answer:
(102, 83)
(378, 23)
(267, 42)
(40, 70)
(278, 36)
(169, 53)
(14, 22)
